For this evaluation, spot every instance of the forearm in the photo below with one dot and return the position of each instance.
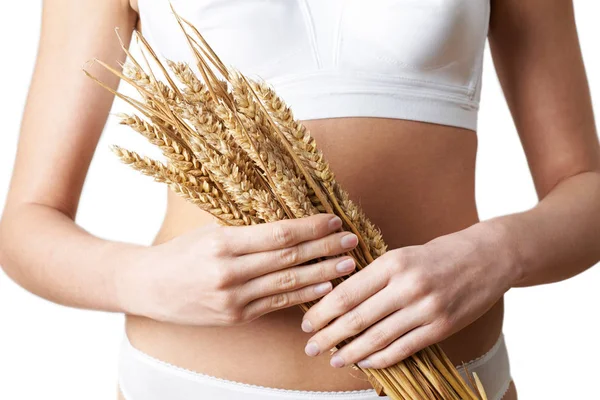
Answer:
(558, 238)
(44, 251)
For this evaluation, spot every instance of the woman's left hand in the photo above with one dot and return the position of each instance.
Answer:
(412, 297)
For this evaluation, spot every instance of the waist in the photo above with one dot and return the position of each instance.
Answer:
(415, 181)
(406, 176)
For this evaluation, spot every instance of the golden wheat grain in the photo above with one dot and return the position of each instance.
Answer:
(212, 129)
(306, 147)
(198, 191)
(212, 204)
(303, 143)
(288, 180)
(372, 234)
(174, 150)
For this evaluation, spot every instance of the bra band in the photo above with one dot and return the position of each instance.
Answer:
(418, 60)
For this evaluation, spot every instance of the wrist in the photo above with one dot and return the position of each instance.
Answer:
(128, 262)
(500, 237)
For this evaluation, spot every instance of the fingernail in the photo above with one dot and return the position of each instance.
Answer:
(335, 223)
(364, 364)
(323, 287)
(349, 241)
(337, 362)
(345, 266)
(306, 326)
(311, 349)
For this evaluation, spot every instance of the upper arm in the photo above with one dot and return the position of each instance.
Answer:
(66, 111)
(538, 60)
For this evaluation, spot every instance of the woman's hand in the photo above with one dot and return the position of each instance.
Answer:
(223, 276)
(411, 298)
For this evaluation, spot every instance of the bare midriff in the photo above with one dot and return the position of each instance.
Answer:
(414, 180)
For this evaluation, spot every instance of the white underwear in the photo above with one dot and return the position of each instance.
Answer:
(142, 377)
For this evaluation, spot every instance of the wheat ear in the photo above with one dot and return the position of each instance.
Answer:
(198, 191)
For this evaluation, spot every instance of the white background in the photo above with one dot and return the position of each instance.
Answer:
(53, 352)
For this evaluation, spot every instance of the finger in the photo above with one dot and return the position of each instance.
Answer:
(280, 234)
(401, 348)
(367, 313)
(257, 264)
(296, 278)
(344, 297)
(279, 301)
(378, 336)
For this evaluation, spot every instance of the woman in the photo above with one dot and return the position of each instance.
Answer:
(390, 91)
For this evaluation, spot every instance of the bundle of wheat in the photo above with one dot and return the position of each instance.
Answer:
(234, 148)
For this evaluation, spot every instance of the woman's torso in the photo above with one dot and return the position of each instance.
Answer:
(414, 180)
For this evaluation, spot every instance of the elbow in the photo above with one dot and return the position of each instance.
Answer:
(9, 240)
(4, 239)
(10, 246)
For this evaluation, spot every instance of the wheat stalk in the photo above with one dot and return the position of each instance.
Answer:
(235, 150)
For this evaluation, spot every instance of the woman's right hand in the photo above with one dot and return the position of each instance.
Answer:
(223, 276)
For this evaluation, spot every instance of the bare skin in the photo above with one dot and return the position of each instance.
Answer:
(416, 181)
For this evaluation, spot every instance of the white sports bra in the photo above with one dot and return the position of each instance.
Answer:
(409, 59)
